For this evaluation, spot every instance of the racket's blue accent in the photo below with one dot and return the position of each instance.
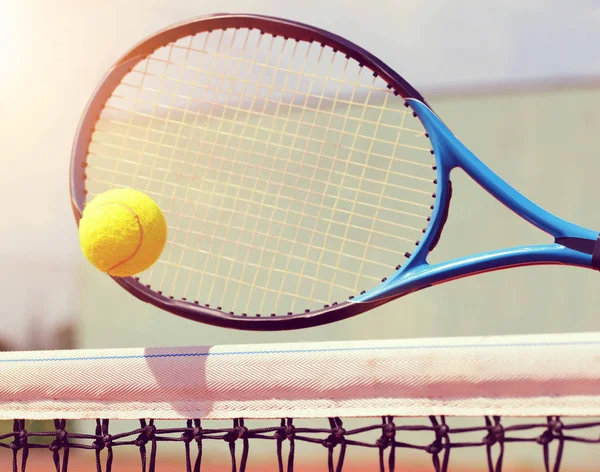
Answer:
(450, 153)
(416, 277)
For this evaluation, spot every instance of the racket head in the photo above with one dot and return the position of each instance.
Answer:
(289, 49)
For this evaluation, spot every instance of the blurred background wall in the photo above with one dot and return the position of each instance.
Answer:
(517, 81)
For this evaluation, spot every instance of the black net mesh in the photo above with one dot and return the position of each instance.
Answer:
(385, 441)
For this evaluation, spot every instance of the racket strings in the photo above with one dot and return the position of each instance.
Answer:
(337, 272)
(282, 146)
(225, 107)
(180, 215)
(271, 270)
(320, 263)
(258, 114)
(371, 230)
(181, 175)
(245, 263)
(290, 176)
(227, 224)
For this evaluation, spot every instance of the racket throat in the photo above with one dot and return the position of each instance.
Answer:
(587, 246)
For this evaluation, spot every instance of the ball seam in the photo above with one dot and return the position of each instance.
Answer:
(141, 228)
(137, 219)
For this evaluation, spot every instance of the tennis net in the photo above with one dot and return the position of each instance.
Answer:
(515, 403)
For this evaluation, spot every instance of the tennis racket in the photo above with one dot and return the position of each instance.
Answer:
(302, 179)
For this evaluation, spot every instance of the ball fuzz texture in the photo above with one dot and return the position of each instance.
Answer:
(122, 232)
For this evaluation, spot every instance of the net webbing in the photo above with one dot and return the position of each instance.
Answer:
(392, 438)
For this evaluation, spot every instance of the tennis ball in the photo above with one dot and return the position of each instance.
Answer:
(122, 232)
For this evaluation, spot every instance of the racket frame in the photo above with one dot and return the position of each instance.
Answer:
(416, 273)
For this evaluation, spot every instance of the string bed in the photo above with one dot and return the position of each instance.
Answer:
(291, 176)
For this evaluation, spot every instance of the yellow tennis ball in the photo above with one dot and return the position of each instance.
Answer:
(122, 232)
